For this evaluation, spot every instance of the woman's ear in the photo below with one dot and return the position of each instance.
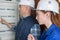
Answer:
(47, 14)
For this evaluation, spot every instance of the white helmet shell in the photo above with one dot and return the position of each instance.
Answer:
(30, 3)
(48, 5)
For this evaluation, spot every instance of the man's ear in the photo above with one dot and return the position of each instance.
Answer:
(47, 14)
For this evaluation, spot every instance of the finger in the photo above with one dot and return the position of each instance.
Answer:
(30, 37)
(0, 20)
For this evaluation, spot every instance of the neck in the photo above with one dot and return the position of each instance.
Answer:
(48, 24)
(26, 15)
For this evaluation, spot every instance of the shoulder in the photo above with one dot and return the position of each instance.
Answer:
(29, 21)
(57, 30)
(56, 34)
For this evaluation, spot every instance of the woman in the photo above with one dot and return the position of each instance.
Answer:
(46, 13)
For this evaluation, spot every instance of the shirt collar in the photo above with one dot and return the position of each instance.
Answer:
(51, 29)
(27, 18)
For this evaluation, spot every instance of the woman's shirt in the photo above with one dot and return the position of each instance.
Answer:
(53, 33)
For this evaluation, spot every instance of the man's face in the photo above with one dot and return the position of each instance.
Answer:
(23, 9)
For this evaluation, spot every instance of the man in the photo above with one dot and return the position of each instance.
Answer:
(26, 24)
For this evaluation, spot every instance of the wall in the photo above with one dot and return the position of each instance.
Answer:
(9, 12)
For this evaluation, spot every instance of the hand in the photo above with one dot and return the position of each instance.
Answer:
(6, 23)
(0, 20)
(30, 37)
(3, 21)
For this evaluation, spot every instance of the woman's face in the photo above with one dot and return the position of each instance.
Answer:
(40, 16)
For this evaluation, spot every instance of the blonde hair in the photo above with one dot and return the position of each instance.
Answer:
(55, 19)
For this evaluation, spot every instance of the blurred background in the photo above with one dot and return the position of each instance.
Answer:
(9, 12)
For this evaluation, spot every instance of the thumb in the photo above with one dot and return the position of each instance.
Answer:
(30, 36)
(0, 19)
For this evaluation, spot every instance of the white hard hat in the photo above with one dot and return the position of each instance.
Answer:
(48, 5)
(30, 3)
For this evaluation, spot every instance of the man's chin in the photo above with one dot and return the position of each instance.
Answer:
(40, 23)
